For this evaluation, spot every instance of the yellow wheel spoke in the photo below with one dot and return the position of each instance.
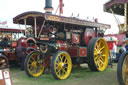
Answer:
(56, 67)
(99, 44)
(63, 71)
(61, 58)
(95, 53)
(30, 61)
(29, 65)
(101, 48)
(58, 71)
(56, 63)
(33, 70)
(33, 58)
(96, 57)
(101, 61)
(96, 49)
(96, 62)
(65, 61)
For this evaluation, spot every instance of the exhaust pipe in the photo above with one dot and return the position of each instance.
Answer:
(48, 6)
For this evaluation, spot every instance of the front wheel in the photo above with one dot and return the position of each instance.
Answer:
(34, 65)
(61, 65)
(122, 69)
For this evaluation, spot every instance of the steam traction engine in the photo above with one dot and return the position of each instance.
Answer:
(61, 42)
(15, 50)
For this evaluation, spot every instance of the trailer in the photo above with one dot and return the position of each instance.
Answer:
(120, 7)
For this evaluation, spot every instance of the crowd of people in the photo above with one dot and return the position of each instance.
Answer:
(123, 48)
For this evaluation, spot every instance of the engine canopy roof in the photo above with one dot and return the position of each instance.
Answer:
(40, 17)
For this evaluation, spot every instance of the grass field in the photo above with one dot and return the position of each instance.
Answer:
(79, 76)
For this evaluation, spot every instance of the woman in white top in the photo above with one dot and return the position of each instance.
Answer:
(114, 50)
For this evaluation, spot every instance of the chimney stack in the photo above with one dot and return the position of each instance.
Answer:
(48, 6)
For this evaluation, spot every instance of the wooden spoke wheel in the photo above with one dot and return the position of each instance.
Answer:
(34, 66)
(61, 65)
(98, 53)
(3, 62)
(122, 69)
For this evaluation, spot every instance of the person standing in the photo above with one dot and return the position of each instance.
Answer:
(114, 50)
(122, 49)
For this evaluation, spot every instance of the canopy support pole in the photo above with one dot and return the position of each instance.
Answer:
(25, 26)
(41, 28)
(35, 27)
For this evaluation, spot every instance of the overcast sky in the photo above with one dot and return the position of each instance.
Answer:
(85, 8)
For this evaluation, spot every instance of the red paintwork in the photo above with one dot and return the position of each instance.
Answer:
(22, 41)
(82, 51)
(73, 51)
(61, 7)
(10, 54)
(62, 45)
(88, 34)
(75, 38)
(31, 39)
(47, 64)
(14, 44)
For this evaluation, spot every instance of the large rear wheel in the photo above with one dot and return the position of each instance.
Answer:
(34, 65)
(61, 65)
(122, 69)
(98, 53)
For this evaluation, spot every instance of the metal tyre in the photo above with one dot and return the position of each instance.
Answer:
(61, 65)
(98, 53)
(122, 69)
(33, 65)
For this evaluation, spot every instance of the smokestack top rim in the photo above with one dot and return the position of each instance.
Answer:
(48, 7)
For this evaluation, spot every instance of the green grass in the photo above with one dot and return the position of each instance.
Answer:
(20, 78)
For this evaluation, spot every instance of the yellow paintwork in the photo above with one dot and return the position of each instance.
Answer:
(101, 54)
(125, 70)
(63, 65)
(35, 66)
